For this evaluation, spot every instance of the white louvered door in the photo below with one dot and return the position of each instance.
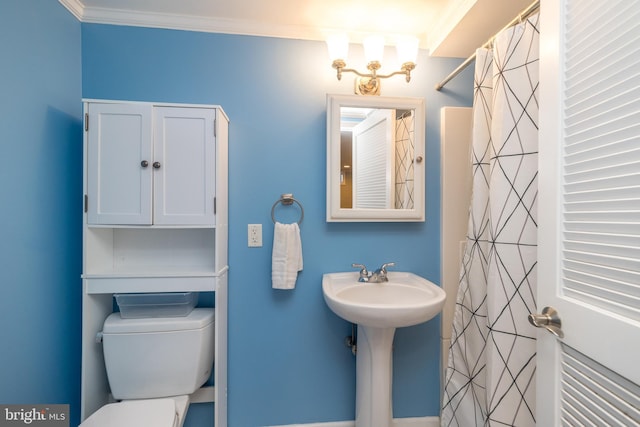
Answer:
(374, 161)
(589, 212)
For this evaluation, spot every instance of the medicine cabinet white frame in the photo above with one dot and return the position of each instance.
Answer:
(335, 213)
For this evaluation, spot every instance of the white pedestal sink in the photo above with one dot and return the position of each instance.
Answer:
(378, 309)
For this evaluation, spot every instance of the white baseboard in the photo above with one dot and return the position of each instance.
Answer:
(397, 422)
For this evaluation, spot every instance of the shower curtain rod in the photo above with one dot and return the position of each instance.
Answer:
(530, 10)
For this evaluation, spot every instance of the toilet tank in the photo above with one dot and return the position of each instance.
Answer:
(158, 357)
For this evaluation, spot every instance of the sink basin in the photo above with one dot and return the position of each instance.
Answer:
(405, 300)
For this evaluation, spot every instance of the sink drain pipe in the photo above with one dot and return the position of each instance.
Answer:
(352, 340)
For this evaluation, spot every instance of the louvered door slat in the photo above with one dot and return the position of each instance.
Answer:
(607, 397)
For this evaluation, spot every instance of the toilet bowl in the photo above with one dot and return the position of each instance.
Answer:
(153, 365)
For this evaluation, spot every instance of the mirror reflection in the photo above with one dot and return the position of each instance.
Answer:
(376, 158)
(375, 150)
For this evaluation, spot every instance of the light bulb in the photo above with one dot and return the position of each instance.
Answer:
(373, 48)
(407, 49)
(338, 46)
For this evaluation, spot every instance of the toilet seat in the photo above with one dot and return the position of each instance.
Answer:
(136, 413)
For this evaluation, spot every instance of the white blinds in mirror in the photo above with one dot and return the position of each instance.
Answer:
(373, 161)
(601, 264)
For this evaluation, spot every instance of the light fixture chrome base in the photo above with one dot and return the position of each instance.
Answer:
(367, 86)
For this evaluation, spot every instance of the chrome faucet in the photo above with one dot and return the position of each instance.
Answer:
(364, 273)
(378, 276)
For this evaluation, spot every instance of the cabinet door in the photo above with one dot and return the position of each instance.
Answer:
(184, 166)
(118, 182)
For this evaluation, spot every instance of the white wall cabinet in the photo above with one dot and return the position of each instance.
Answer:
(155, 220)
(142, 157)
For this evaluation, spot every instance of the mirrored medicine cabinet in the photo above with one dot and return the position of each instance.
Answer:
(375, 159)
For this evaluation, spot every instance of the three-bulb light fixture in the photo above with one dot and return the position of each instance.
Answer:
(369, 83)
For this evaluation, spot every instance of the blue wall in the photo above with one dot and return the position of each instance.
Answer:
(287, 361)
(40, 186)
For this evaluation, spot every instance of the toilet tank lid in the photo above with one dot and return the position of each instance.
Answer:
(197, 319)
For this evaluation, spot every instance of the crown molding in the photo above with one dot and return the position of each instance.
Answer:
(74, 6)
(134, 18)
(128, 17)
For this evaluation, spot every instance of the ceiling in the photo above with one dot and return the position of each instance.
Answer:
(446, 27)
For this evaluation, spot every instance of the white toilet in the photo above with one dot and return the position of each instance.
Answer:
(153, 365)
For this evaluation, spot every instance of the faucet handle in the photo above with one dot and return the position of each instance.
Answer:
(361, 266)
(381, 273)
(378, 276)
(364, 273)
(387, 264)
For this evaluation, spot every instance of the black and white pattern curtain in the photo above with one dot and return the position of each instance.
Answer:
(404, 155)
(490, 378)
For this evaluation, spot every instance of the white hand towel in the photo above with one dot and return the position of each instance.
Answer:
(286, 258)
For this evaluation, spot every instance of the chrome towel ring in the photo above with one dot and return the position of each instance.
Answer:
(287, 200)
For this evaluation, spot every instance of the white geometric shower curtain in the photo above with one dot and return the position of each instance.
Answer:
(404, 154)
(490, 378)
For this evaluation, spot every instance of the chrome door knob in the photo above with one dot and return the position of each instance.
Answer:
(549, 320)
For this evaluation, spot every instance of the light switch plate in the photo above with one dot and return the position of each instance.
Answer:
(254, 232)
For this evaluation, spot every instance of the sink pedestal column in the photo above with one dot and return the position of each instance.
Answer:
(374, 364)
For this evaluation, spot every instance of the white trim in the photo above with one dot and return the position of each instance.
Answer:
(74, 6)
(337, 214)
(98, 15)
(203, 395)
(154, 104)
(397, 422)
(453, 14)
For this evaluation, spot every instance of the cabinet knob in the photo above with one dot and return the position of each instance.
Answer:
(156, 165)
(144, 163)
